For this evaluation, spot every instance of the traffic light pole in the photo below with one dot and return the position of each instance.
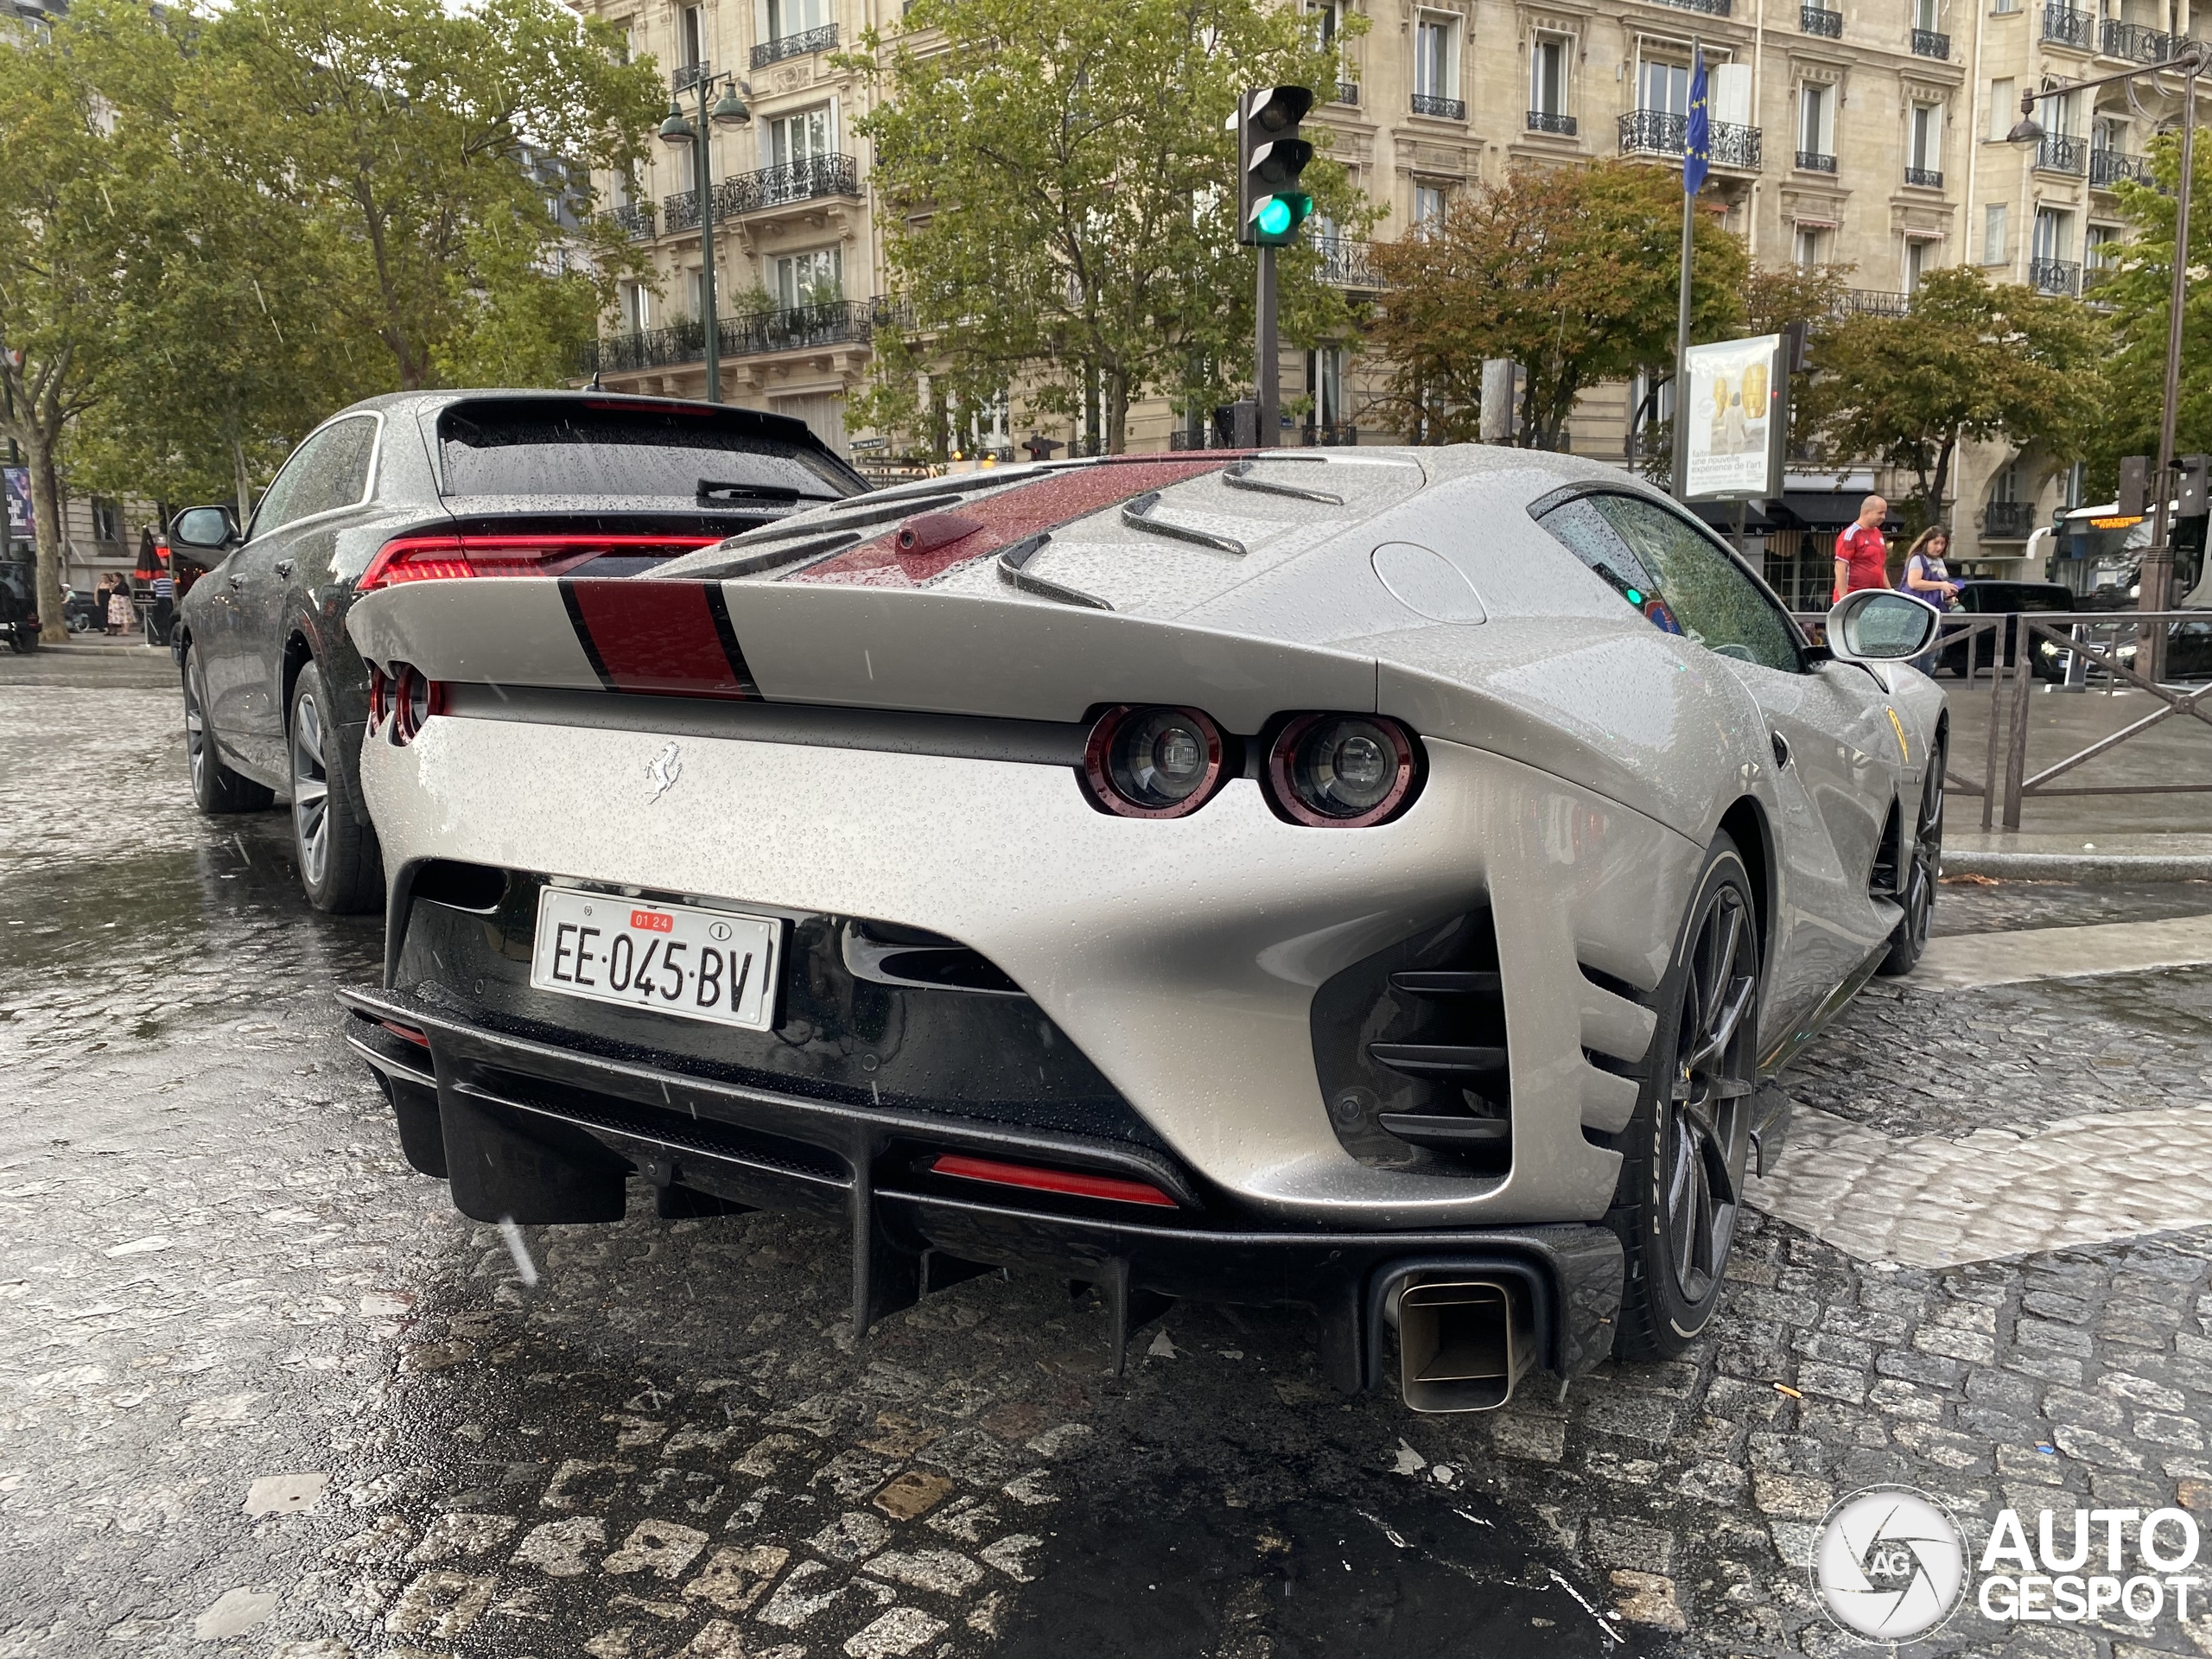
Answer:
(2156, 573)
(1267, 377)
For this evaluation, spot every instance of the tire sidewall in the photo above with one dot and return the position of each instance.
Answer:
(1675, 1321)
(195, 696)
(309, 688)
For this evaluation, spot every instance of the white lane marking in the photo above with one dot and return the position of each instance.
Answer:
(1931, 1201)
(1962, 962)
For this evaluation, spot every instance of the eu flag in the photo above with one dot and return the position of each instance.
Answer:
(1697, 138)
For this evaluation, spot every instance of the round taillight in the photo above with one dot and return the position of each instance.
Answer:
(1342, 770)
(1152, 763)
(414, 700)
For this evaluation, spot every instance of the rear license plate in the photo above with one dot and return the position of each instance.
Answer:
(699, 964)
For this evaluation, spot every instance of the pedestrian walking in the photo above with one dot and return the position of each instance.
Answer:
(119, 606)
(164, 587)
(1862, 557)
(1928, 578)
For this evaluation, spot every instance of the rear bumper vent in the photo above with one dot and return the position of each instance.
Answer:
(1410, 1047)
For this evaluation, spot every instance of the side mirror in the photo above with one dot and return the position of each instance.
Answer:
(204, 529)
(1878, 625)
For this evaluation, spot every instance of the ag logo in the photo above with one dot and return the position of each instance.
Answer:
(1889, 1564)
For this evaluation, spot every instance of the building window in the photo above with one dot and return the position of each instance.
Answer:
(1428, 209)
(1810, 248)
(1919, 259)
(790, 139)
(2004, 109)
(1436, 57)
(691, 34)
(815, 279)
(2098, 244)
(1993, 234)
(1664, 87)
(2054, 234)
(1328, 20)
(1547, 76)
(2006, 7)
(633, 298)
(794, 16)
(1926, 16)
(107, 520)
(1325, 375)
(1924, 143)
(1815, 120)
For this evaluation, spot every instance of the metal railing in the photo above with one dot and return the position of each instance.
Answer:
(1345, 262)
(1876, 302)
(2061, 152)
(2008, 520)
(2055, 276)
(1659, 132)
(2108, 167)
(1348, 92)
(770, 186)
(2064, 26)
(823, 39)
(1927, 43)
(1551, 121)
(1812, 160)
(1928, 178)
(1711, 8)
(2137, 42)
(685, 76)
(1819, 20)
(1450, 109)
(836, 323)
(633, 218)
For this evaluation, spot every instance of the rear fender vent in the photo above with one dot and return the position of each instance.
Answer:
(1410, 1047)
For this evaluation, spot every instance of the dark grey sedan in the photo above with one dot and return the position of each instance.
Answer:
(417, 485)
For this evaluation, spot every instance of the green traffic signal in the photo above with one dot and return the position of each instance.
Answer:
(1275, 219)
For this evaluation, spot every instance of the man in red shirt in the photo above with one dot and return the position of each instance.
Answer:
(1862, 557)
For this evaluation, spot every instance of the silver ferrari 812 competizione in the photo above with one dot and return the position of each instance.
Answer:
(1371, 879)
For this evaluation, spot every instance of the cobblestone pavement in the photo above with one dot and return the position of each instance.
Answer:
(263, 1393)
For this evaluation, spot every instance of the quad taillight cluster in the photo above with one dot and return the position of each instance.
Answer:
(406, 697)
(429, 558)
(1325, 771)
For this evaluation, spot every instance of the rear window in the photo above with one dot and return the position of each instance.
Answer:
(699, 460)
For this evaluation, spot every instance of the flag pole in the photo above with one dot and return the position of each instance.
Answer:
(1682, 297)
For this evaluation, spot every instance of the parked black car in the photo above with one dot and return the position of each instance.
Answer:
(413, 486)
(1983, 597)
(19, 604)
(83, 614)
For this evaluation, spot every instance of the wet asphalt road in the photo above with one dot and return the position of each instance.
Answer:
(263, 1392)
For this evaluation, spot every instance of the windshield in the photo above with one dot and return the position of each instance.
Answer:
(703, 459)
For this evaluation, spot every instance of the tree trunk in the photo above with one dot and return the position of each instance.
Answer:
(1117, 411)
(46, 515)
(241, 482)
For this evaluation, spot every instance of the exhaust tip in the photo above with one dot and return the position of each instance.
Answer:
(1462, 1344)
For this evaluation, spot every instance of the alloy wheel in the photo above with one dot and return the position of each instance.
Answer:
(1927, 855)
(195, 731)
(310, 792)
(1706, 1131)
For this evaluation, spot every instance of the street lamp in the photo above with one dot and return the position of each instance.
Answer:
(676, 132)
(2189, 63)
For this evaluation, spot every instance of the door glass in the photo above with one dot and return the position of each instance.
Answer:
(331, 469)
(1716, 602)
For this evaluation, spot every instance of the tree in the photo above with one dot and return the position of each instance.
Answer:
(2137, 298)
(1572, 272)
(1058, 198)
(63, 161)
(1969, 361)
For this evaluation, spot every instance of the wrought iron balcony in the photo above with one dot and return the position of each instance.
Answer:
(2059, 152)
(1875, 302)
(2055, 276)
(797, 327)
(2008, 521)
(1657, 132)
(1345, 263)
(633, 218)
(1348, 92)
(823, 39)
(2064, 26)
(1819, 20)
(770, 187)
(1449, 109)
(2108, 167)
(1927, 43)
(1928, 178)
(685, 76)
(1549, 120)
(1813, 161)
(1711, 8)
(2137, 42)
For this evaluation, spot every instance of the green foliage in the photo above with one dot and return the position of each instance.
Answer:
(2139, 296)
(1969, 361)
(1570, 271)
(1058, 197)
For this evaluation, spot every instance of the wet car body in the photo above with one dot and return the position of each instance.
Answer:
(1241, 1045)
(468, 466)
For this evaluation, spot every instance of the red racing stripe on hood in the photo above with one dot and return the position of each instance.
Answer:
(669, 637)
(1011, 516)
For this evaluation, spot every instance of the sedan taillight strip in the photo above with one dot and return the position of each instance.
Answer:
(428, 558)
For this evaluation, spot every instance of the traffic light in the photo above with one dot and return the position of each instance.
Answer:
(1270, 156)
(2134, 498)
(2196, 491)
